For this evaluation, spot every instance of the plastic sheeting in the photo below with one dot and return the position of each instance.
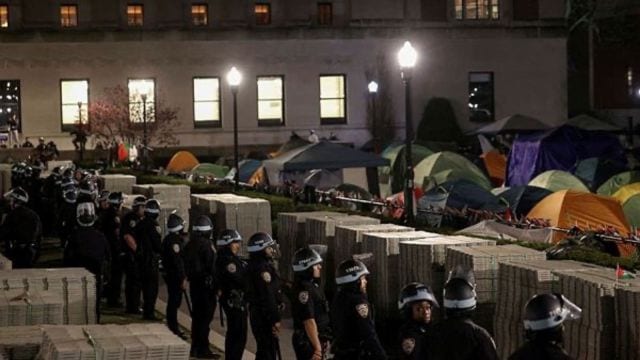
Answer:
(493, 229)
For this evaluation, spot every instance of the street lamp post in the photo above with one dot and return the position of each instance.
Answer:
(373, 92)
(144, 131)
(80, 131)
(407, 57)
(234, 78)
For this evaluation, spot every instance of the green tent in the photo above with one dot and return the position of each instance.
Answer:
(445, 166)
(629, 197)
(556, 180)
(395, 173)
(209, 169)
(617, 181)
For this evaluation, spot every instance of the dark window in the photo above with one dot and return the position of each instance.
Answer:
(525, 9)
(9, 101)
(434, 10)
(481, 104)
(135, 15)
(477, 9)
(325, 14)
(4, 16)
(263, 14)
(69, 15)
(333, 99)
(199, 14)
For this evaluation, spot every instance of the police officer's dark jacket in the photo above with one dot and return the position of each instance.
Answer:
(128, 227)
(459, 338)
(310, 303)
(264, 292)
(87, 248)
(538, 350)
(413, 340)
(231, 271)
(110, 226)
(21, 226)
(172, 257)
(147, 234)
(199, 261)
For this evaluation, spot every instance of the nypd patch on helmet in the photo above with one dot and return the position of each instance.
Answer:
(362, 310)
(176, 248)
(303, 297)
(408, 345)
(132, 223)
(231, 268)
(266, 276)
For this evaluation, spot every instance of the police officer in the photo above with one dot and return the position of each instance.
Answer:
(173, 270)
(458, 337)
(87, 191)
(309, 307)
(199, 262)
(110, 226)
(67, 219)
(231, 271)
(88, 248)
(21, 230)
(416, 304)
(149, 239)
(265, 295)
(354, 331)
(133, 281)
(544, 329)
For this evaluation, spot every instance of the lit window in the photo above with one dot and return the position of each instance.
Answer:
(481, 103)
(271, 100)
(477, 9)
(206, 101)
(135, 15)
(325, 14)
(74, 101)
(68, 15)
(141, 91)
(332, 99)
(9, 100)
(4, 16)
(263, 14)
(199, 15)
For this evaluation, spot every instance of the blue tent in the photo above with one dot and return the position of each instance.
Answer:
(596, 171)
(558, 149)
(464, 193)
(522, 199)
(247, 168)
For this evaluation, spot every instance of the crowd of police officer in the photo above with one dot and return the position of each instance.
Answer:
(96, 235)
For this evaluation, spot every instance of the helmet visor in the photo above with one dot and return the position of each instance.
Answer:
(570, 311)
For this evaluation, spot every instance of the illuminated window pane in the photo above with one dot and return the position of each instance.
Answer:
(477, 9)
(332, 98)
(270, 98)
(74, 101)
(199, 14)
(4, 16)
(263, 14)
(325, 14)
(206, 99)
(9, 101)
(135, 15)
(137, 89)
(68, 16)
(459, 12)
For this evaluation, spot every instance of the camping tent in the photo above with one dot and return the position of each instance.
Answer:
(629, 197)
(558, 149)
(595, 171)
(463, 194)
(567, 208)
(182, 161)
(556, 180)
(209, 169)
(513, 124)
(322, 155)
(496, 166)
(394, 174)
(295, 141)
(323, 179)
(589, 123)
(445, 166)
(617, 181)
(247, 168)
(522, 199)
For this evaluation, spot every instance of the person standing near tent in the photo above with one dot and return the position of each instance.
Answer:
(14, 125)
(313, 137)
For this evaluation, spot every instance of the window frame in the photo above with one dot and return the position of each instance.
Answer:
(463, 11)
(206, 15)
(270, 122)
(75, 19)
(493, 96)
(333, 121)
(321, 4)
(206, 123)
(19, 103)
(134, 24)
(4, 28)
(155, 97)
(70, 127)
(255, 14)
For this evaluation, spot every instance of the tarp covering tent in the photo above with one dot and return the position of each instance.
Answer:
(323, 179)
(247, 168)
(445, 166)
(589, 123)
(513, 124)
(464, 194)
(295, 141)
(558, 149)
(629, 197)
(595, 171)
(209, 169)
(182, 161)
(617, 181)
(396, 170)
(496, 230)
(354, 191)
(567, 208)
(322, 155)
(495, 164)
(556, 180)
(522, 199)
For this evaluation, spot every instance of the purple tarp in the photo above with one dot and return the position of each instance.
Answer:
(558, 149)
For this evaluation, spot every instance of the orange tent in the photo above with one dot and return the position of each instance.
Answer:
(567, 208)
(182, 161)
(496, 165)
